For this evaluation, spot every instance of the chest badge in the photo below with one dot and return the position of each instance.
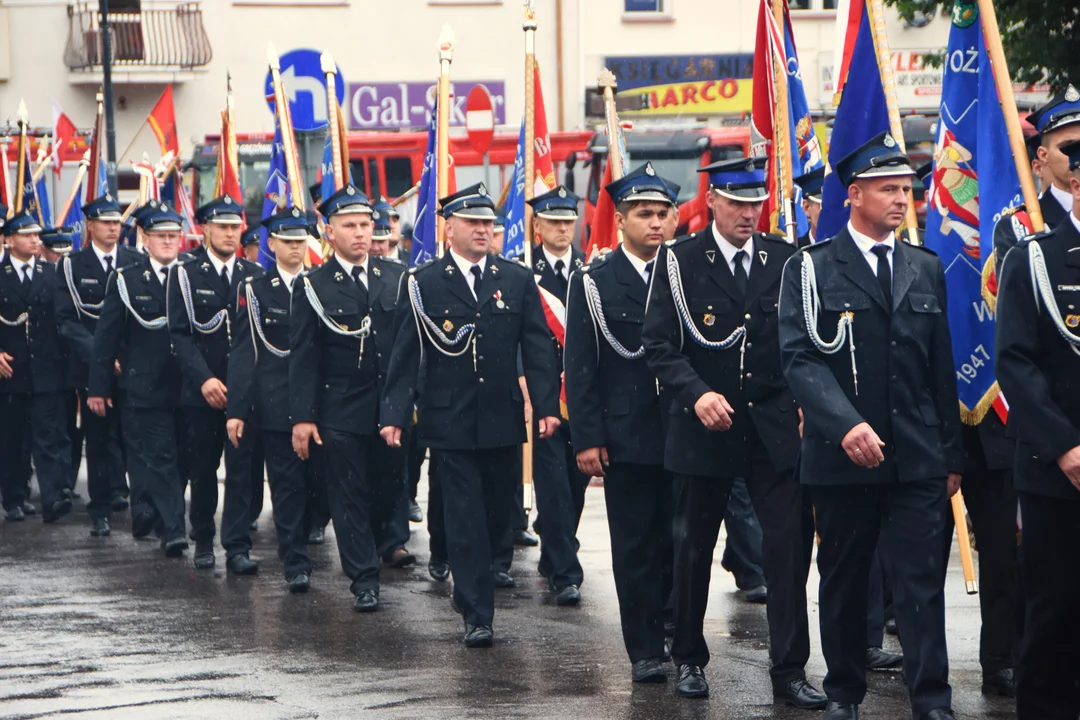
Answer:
(338, 277)
(376, 271)
(709, 320)
(146, 276)
(447, 326)
(498, 300)
(1072, 320)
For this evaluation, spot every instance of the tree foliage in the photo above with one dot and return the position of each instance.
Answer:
(1041, 37)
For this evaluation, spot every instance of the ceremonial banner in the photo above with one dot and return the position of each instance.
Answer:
(544, 180)
(604, 233)
(64, 134)
(5, 189)
(74, 219)
(162, 121)
(278, 196)
(861, 113)
(801, 140)
(974, 182)
(424, 245)
(44, 207)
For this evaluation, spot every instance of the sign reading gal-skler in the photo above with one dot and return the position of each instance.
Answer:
(399, 105)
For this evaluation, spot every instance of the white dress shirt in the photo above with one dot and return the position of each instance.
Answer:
(465, 267)
(728, 251)
(101, 255)
(286, 277)
(348, 266)
(566, 260)
(19, 264)
(158, 267)
(866, 246)
(1063, 197)
(639, 264)
(218, 263)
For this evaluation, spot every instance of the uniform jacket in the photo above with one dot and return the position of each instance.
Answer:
(906, 376)
(258, 378)
(758, 394)
(467, 406)
(550, 282)
(150, 367)
(1038, 371)
(613, 401)
(330, 382)
(82, 284)
(203, 355)
(1053, 213)
(37, 362)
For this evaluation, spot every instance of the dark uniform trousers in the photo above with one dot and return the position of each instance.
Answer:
(258, 477)
(154, 442)
(390, 509)
(787, 542)
(503, 551)
(991, 501)
(351, 491)
(639, 507)
(283, 467)
(1037, 369)
(560, 497)
(75, 435)
(466, 475)
(239, 507)
(50, 448)
(105, 464)
(204, 440)
(317, 508)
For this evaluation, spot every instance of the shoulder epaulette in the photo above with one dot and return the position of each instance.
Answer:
(817, 244)
(773, 237)
(923, 248)
(186, 258)
(427, 263)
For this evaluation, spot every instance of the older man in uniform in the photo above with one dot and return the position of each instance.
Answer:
(340, 340)
(882, 441)
(258, 382)
(85, 275)
(559, 484)
(202, 299)
(1037, 365)
(133, 331)
(617, 430)
(710, 338)
(31, 375)
(465, 319)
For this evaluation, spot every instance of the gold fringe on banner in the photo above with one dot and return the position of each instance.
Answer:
(974, 416)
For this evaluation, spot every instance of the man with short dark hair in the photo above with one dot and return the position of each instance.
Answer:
(710, 338)
(881, 444)
(1058, 123)
(811, 184)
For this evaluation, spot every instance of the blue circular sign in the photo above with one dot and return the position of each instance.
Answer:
(305, 87)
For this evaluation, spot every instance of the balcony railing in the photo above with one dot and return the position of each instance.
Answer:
(161, 38)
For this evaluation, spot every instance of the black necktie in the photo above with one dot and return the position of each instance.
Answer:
(165, 278)
(357, 273)
(477, 276)
(225, 278)
(648, 271)
(108, 264)
(26, 275)
(884, 273)
(559, 266)
(739, 271)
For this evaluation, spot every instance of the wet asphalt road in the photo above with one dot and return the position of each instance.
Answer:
(109, 628)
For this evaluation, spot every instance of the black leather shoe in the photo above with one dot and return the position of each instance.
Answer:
(478, 636)
(204, 555)
(569, 595)
(176, 547)
(647, 671)
(438, 570)
(316, 537)
(800, 694)
(242, 564)
(882, 660)
(1000, 683)
(119, 503)
(757, 595)
(692, 682)
(416, 515)
(142, 523)
(57, 510)
(524, 538)
(890, 627)
(70, 494)
(841, 711)
(29, 508)
(16, 514)
(299, 583)
(366, 601)
(939, 714)
(399, 558)
(503, 581)
(100, 528)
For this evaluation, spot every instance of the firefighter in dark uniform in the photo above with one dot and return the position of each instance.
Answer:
(811, 184)
(463, 320)
(56, 243)
(202, 298)
(709, 337)
(133, 331)
(1058, 123)
(85, 275)
(1037, 363)
(613, 398)
(559, 484)
(31, 375)
(258, 383)
(251, 239)
(341, 335)
(864, 338)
